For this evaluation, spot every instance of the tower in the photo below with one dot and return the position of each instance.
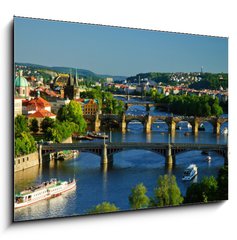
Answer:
(71, 90)
(21, 86)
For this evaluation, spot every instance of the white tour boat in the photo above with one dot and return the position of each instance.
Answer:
(190, 172)
(45, 190)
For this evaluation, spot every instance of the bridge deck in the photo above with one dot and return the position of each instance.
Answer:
(133, 145)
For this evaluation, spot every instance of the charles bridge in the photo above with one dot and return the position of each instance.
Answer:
(122, 121)
(106, 150)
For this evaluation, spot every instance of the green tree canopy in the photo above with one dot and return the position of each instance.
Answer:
(72, 112)
(24, 144)
(21, 125)
(47, 123)
(138, 198)
(34, 125)
(104, 207)
(222, 181)
(205, 191)
(60, 131)
(167, 192)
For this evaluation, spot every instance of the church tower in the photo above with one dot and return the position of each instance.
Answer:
(71, 90)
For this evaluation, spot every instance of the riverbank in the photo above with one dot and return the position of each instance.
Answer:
(30, 160)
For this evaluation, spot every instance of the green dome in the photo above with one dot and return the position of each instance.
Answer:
(20, 81)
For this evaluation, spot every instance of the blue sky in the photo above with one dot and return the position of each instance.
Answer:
(116, 51)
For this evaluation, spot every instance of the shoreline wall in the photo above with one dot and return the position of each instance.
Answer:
(32, 159)
(26, 161)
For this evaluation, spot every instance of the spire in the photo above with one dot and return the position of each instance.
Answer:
(76, 80)
(70, 79)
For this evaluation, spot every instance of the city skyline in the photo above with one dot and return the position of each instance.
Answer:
(116, 51)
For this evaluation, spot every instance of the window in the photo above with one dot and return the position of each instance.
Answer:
(19, 161)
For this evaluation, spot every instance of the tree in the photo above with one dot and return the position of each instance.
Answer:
(24, 144)
(104, 207)
(205, 191)
(60, 131)
(216, 109)
(167, 192)
(138, 198)
(47, 123)
(34, 125)
(72, 112)
(222, 181)
(21, 125)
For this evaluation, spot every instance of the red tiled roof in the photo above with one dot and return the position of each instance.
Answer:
(39, 101)
(42, 113)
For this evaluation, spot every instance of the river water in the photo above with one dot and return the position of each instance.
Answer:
(131, 167)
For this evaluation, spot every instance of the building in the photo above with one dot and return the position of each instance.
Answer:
(34, 105)
(41, 114)
(17, 106)
(89, 106)
(21, 86)
(56, 105)
(109, 80)
(72, 90)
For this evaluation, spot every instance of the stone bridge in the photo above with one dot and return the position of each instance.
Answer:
(147, 120)
(107, 150)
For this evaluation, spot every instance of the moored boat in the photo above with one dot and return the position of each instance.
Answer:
(98, 135)
(201, 127)
(45, 190)
(225, 131)
(190, 172)
(208, 158)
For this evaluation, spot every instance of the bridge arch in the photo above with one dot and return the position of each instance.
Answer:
(159, 125)
(184, 125)
(110, 122)
(177, 153)
(224, 125)
(139, 124)
(206, 126)
(137, 155)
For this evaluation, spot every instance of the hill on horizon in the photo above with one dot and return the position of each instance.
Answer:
(81, 72)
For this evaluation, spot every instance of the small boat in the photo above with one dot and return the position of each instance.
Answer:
(208, 158)
(189, 125)
(225, 131)
(45, 190)
(79, 137)
(98, 135)
(190, 172)
(201, 127)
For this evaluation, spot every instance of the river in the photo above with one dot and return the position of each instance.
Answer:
(130, 168)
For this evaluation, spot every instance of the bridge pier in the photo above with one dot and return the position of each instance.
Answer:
(123, 124)
(148, 124)
(217, 128)
(106, 161)
(147, 107)
(172, 125)
(195, 127)
(126, 106)
(170, 159)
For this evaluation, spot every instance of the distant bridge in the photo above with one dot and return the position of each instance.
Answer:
(107, 150)
(147, 120)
